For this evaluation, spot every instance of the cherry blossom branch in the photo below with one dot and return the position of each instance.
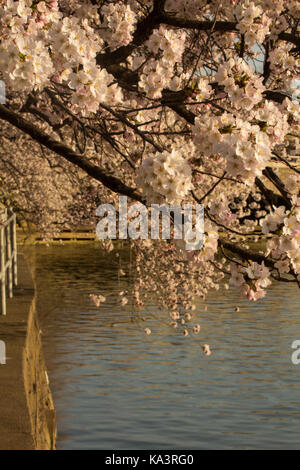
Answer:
(122, 118)
(228, 178)
(220, 26)
(199, 201)
(250, 255)
(226, 228)
(245, 254)
(156, 17)
(81, 161)
(84, 126)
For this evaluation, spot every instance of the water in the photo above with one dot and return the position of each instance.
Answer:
(116, 388)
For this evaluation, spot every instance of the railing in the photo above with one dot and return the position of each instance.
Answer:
(8, 256)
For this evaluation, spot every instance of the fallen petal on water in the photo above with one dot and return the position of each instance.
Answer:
(206, 349)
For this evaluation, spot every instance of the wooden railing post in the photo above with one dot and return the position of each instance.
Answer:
(3, 271)
(8, 256)
(14, 247)
(9, 260)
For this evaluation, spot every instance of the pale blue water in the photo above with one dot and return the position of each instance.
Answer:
(116, 388)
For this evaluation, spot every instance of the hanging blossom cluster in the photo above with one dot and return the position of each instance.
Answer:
(165, 176)
(118, 24)
(242, 85)
(284, 246)
(210, 247)
(175, 290)
(250, 280)
(158, 74)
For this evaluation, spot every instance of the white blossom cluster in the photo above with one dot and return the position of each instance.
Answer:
(57, 48)
(202, 90)
(165, 177)
(281, 60)
(75, 44)
(245, 147)
(219, 208)
(292, 184)
(243, 86)
(24, 56)
(159, 74)
(250, 280)
(293, 8)
(170, 42)
(285, 246)
(294, 113)
(118, 23)
(252, 22)
(272, 221)
(275, 11)
(272, 121)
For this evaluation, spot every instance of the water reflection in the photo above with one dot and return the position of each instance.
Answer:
(116, 388)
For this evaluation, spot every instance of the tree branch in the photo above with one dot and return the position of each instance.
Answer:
(81, 161)
(143, 31)
(245, 254)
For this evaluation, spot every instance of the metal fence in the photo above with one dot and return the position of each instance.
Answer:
(8, 256)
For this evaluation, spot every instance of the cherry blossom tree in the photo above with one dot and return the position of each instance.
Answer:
(160, 100)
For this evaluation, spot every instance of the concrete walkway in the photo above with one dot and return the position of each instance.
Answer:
(15, 426)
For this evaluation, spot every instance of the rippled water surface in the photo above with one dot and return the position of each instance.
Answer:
(116, 388)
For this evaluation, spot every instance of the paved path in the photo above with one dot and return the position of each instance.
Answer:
(15, 429)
